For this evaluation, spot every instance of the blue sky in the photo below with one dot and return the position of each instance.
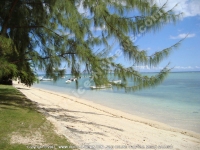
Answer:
(187, 56)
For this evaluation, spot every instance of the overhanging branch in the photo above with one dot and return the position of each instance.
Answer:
(7, 18)
(40, 26)
(47, 57)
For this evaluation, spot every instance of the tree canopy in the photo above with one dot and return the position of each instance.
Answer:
(44, 34)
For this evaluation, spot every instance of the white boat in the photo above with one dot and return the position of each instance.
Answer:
(116, 81)
(40, 77)
(68, 81)
(46, 79)
(73, 79)
(101, 87)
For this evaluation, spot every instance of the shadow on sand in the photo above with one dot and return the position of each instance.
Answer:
(52, 112)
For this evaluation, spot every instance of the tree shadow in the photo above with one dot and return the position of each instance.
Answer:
(22, 88)
(53, 112)
(73, 111)
(12, 97)
(84, 132)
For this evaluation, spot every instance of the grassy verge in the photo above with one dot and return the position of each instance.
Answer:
(21, 126)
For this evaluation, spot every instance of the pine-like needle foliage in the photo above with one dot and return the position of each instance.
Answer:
(42, 34)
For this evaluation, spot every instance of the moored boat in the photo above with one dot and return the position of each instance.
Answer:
(101, 87)
(116, 81)
(46, 79)
(73, 79)
(68, 81)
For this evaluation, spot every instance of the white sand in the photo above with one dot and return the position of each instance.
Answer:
(86, 123)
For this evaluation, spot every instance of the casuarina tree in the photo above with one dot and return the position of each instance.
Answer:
(47, 34)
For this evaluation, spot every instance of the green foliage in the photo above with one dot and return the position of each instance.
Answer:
(46, 33)
(6, 69)
(11, 66)
(18, 116)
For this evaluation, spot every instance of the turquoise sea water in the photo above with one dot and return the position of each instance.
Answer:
(175, 102)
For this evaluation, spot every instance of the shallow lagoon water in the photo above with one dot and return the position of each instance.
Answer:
(175, 102)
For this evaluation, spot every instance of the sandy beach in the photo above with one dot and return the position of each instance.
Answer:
(93, 126)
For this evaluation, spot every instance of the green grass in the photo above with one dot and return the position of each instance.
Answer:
(19, 116)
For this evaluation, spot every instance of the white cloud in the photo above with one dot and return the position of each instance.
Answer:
(142, 67)
(176, 68)
(82, 10)
(183, 35)
(184, 68)
(188, 7)
(149, 48)
(98, 28)
(146, 67)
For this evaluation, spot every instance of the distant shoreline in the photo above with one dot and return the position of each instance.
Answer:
(141, 72)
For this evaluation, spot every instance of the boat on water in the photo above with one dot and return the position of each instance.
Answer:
(46, 79)
(40, 77)
(68, 81)
(101, 87)
(73, 79)
(116, 81)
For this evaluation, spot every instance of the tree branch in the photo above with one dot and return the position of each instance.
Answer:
(47, 57)
(40, 26)
(35, 3)
(7, 18)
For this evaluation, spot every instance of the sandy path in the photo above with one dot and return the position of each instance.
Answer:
(86, 123)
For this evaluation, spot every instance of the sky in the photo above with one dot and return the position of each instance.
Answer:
(187, 56)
